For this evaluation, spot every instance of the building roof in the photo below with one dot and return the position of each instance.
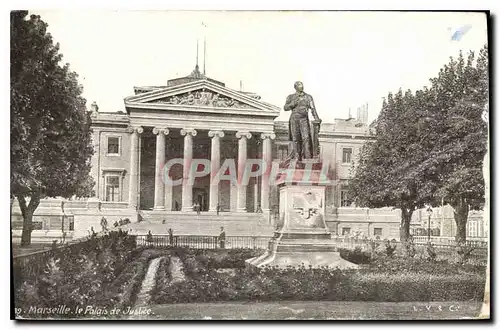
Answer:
(195, 75)
(338, 127)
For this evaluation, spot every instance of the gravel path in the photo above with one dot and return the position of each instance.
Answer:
(144, 295)
(316, 310)
(176, 270)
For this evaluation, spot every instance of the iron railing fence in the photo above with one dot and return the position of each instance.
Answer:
(475, 242)
(204, 242)
(261, 242)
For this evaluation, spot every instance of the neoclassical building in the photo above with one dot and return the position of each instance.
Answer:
(197, 118)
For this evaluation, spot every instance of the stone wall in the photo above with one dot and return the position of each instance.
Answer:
(83, 214)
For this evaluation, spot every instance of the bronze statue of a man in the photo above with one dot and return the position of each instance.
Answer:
(304, 137)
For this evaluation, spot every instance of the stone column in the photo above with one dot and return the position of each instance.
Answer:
(214, 167)
(187, 187)
(134, 166)
(241, 195)
(267, 157)
(159, 202)
(168, 196)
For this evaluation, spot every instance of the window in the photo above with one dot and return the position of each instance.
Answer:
(113, 145)
(54, 223)
(346, 155)
(282, 151)
(71, 225)
(377, 231)
(112, 188)
(472, 229)
(344, 199)
(346, 231)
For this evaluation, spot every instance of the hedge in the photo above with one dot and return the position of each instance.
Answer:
(78, 277)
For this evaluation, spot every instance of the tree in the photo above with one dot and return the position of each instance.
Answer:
(461, 91)
(429, 147)
(50, 127)
(387, 174)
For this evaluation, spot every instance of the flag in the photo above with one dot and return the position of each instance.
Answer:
(457, 34)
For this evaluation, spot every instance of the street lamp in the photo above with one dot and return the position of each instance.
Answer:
(429, 213)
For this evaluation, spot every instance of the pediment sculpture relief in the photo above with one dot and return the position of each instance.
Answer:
(203, 98)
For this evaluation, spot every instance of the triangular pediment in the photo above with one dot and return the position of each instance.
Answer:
(204, 97)
(201, 94)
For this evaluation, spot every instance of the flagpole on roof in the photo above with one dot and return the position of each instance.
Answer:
(196, 52)
(204, 48)
(204, 55)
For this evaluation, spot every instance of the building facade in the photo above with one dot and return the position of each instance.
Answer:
(199, 118)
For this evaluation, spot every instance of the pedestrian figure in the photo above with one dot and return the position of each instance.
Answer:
(222, 238)
(170, 237)
(218, 208)
(104, 224)
(149, 237)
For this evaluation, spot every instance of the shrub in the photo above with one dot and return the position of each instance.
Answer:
(431, 252)
(374, 244)
(409, 247)
(357, 256)
(75, 275)
(390, 247)
(464, 251)
(417, 287)
(415, 265)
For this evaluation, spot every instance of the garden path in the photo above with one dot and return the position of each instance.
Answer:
(176, 270)
(144, 295)
(316, 310)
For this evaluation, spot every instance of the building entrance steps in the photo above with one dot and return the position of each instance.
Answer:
(206, 223)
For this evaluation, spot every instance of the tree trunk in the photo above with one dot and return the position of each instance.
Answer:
(27, 211)
(12, 200)
(461, 213)
(404, 227)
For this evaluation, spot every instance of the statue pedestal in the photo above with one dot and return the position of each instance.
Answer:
(301, 236)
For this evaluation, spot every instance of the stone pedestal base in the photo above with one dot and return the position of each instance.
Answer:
(302, 236)
(312, 252)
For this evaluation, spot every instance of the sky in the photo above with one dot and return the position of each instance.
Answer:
(345, 59)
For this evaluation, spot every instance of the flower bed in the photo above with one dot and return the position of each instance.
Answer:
(385, 279)
(122, 293)
(78, 277)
